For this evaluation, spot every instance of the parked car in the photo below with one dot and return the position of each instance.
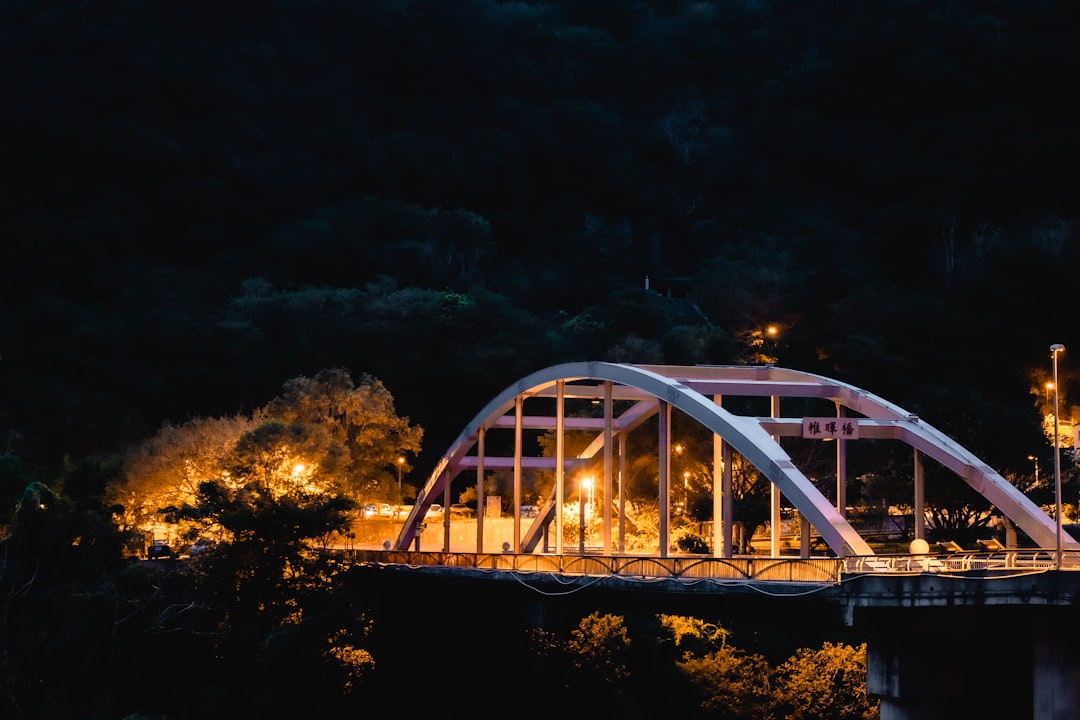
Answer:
(200, 546)
(159, 551)
(461, 510)
(529, 511)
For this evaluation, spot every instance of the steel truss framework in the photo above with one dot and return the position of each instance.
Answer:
(647, 391)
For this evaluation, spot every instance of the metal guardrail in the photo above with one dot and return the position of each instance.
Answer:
(811, 570)
(1017, 560)
(747, 569)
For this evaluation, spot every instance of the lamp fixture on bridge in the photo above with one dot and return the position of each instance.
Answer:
(588, 483)
(1054, 351)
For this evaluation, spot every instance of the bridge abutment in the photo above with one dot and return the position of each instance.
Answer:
(942, 648)
(1056, 670)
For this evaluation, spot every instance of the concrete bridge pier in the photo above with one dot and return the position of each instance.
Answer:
(1056, 668)
(942, 663)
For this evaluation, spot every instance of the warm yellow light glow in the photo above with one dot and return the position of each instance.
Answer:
(772, 330)
(587, 486)
(298, 469)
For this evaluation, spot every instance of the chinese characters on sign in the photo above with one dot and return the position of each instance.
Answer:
(830, 428)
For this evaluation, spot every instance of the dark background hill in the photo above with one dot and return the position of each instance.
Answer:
(200, 201)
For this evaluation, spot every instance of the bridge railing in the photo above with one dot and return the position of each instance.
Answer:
(1018, 560)
(757, 569)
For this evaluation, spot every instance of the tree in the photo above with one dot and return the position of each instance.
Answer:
(825, 684)
(321, 435)
(57, 599)
(166, 470)
(365, 435)
(598, 646)
(732, 683)
(593, 666)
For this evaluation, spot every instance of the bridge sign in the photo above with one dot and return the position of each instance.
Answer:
(830, 428)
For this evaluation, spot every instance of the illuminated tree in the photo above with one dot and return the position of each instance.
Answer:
(364, 433)
(693, 636)
(321, 435)
(167, 469)
(598, 646)
(592, 666)
(825, 684)
(731, 683)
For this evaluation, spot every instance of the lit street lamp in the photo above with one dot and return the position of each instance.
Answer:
(1054, 350)
(686, 492)
(400, 465)
(588, 483)
(584, 485)
(1032, 457)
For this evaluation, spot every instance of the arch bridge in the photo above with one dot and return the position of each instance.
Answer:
(947, 635)
(621, 398)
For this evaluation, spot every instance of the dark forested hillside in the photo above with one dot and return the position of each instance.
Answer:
(201, 200)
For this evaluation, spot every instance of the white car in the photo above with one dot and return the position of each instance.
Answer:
(200, 546)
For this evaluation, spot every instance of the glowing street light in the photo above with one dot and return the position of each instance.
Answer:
(686, 492)
(588, 483)
(400, 465)
(1054, 350)
(585, 484)
(1032, 457)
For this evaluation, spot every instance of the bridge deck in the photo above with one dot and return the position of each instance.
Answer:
(748, 569)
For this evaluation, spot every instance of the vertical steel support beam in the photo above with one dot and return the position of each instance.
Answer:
(804, 537)
(608, 419)
(841, 469)
(718, 491)
(664, 473)
(446, 510)
(581, 498)
(920, 496)
(729, 503)
(518, 406)
(774, 492)
(480, 490)
(622, 492)
(560, 466)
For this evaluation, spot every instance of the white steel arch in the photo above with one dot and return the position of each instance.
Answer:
(694, 390)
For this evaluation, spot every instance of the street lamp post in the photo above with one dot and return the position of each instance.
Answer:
(1054, 351)
(400, 465)
(585, 485)
(686, 492)
(1036, 459)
